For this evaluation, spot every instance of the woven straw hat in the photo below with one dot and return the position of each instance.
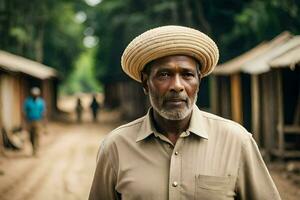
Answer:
(166, 41)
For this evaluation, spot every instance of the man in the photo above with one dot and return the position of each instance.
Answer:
(34, 110)
(177, 151)
(95, 106)
(79, 109)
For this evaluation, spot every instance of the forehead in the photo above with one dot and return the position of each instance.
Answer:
(174, 61)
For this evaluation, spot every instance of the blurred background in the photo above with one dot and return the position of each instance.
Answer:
(71, 50)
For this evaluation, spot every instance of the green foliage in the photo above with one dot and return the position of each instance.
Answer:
(63, 39)
(259, 21)
(118, 22)
(235, 25)
(20, 35)
(45, 30)
(42, 30)
(82, 78)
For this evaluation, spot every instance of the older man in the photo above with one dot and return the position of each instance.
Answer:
(177, 151)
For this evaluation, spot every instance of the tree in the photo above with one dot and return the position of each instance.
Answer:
(235, 25)
(119, 21)
(258, 21)
(42, 30)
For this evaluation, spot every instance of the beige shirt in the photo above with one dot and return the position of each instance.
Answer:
(213, 159)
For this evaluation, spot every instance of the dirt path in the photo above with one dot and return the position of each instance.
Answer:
(64, 168)
(287, 188)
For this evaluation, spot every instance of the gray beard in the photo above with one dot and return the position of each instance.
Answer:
(173, 114)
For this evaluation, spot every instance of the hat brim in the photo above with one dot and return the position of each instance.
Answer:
(166, 41)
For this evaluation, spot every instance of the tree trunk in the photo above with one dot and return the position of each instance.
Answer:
(203, 23)
(187, 11)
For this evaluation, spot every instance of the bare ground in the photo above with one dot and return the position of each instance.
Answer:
(64, 167)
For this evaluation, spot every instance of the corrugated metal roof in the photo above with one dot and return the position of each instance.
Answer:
(288, 59)
(16, 63)
(238, 63)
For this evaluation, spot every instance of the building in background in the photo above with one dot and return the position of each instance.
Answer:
(17, 76)
(261, 90)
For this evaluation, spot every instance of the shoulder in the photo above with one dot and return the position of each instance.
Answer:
(225, 127)
(41, 100)
(126, 133)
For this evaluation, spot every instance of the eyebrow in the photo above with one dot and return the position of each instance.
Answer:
(148, 68)
(182, 68)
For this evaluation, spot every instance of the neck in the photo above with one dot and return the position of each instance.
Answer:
(170, 127)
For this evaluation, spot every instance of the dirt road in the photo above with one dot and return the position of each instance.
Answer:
(62, 171)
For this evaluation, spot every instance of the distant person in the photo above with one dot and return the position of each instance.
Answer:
(79, 109)
(34, 111)
(95, 106)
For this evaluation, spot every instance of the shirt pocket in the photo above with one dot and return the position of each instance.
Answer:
(214, 187)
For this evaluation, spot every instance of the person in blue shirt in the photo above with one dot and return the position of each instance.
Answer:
(34, 111)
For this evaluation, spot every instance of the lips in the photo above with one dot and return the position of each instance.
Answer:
(175, 102)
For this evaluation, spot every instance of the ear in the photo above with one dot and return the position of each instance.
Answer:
(144, 79)
(199, 77)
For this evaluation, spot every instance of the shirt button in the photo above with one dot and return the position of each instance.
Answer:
(174, 184)
(176, 153)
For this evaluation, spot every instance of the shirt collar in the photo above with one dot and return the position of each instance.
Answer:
(196, 125)
(147, 127)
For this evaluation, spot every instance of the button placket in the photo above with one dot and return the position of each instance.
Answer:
(175, 172)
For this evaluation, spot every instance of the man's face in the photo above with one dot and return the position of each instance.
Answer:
(172, 84)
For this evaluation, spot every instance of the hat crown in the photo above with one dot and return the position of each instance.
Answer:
(165, 41)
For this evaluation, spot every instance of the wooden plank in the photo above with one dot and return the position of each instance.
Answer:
(224, 101)
(268, 117)
(236, 98)
(291, 129)
(280, 124)
(1, 122)
(17, 107)
(287, 153)
(214, 94)
(255, 109)
(297, 113)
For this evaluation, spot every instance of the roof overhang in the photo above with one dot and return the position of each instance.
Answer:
(14, 63)
(290, 58)
(261, 58)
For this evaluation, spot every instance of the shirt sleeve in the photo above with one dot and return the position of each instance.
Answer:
(254, 181)
(103, 186)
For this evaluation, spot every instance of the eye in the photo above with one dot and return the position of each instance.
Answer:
(188, 75)
(163, 74)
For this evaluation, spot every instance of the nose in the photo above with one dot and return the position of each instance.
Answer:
(176, 84)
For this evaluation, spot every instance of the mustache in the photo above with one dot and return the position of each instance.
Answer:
(175, 96)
